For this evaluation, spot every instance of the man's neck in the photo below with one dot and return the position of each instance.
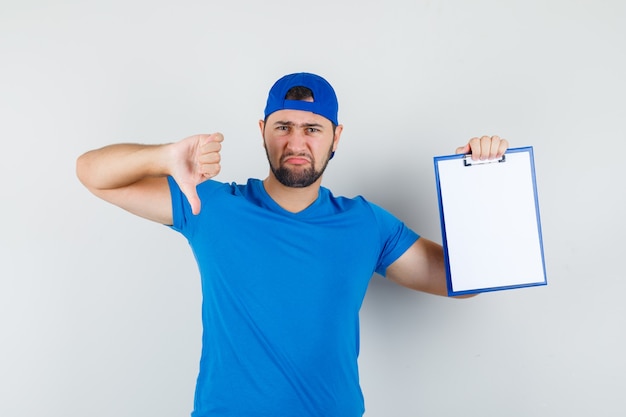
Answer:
(292, 199)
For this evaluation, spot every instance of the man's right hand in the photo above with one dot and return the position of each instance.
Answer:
(194, 160)
(133, 176)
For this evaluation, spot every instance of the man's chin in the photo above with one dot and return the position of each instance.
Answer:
(296, 180)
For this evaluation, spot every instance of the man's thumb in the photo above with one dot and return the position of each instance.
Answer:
(463, 149)
(192, 197)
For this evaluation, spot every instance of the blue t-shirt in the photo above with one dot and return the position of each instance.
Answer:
(281, 298)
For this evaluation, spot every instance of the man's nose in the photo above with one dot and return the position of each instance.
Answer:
(297, 141)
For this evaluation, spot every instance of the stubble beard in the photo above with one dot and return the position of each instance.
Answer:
(297, 178)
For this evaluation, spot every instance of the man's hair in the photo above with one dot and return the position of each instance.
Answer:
(299, 93)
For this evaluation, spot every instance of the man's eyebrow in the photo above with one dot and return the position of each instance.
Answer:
(283, 122)
(289, 123)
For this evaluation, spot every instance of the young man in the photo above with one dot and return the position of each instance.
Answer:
(284, 264)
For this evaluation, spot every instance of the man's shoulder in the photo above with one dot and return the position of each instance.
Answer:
(343, 199)
(342, 203)
(233, 187)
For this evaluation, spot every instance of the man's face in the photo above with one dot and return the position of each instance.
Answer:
(298, 145)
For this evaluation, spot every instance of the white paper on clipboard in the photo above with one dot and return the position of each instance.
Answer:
(490, 222)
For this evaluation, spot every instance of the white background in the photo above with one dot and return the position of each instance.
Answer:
(99, 310)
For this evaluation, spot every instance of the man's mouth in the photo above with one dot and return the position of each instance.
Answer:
(296, 160)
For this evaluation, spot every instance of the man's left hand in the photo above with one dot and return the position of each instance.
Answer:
(485, 147)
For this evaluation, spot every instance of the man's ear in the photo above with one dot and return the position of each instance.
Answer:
(336, 137)
(338, 131)
(262, 128)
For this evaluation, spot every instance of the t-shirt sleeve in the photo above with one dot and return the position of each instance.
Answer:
(395, 237)
(181, 210)
(183, 220)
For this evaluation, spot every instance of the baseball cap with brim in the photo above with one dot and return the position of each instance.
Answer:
(324, 99)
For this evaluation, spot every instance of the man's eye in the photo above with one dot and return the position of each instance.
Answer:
(283, 128)
(313, 130)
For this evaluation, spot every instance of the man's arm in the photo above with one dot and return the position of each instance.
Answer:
(422, 267)
(133, 176)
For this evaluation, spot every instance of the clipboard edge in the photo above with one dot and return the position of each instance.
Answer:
(501, 288)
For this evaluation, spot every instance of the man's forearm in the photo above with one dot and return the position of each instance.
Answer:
(120, 165)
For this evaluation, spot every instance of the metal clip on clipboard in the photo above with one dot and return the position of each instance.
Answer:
(468, 161)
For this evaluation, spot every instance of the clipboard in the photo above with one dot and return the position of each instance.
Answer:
(490, 222)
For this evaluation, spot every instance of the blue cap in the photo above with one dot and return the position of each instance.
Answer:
(324, 99)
